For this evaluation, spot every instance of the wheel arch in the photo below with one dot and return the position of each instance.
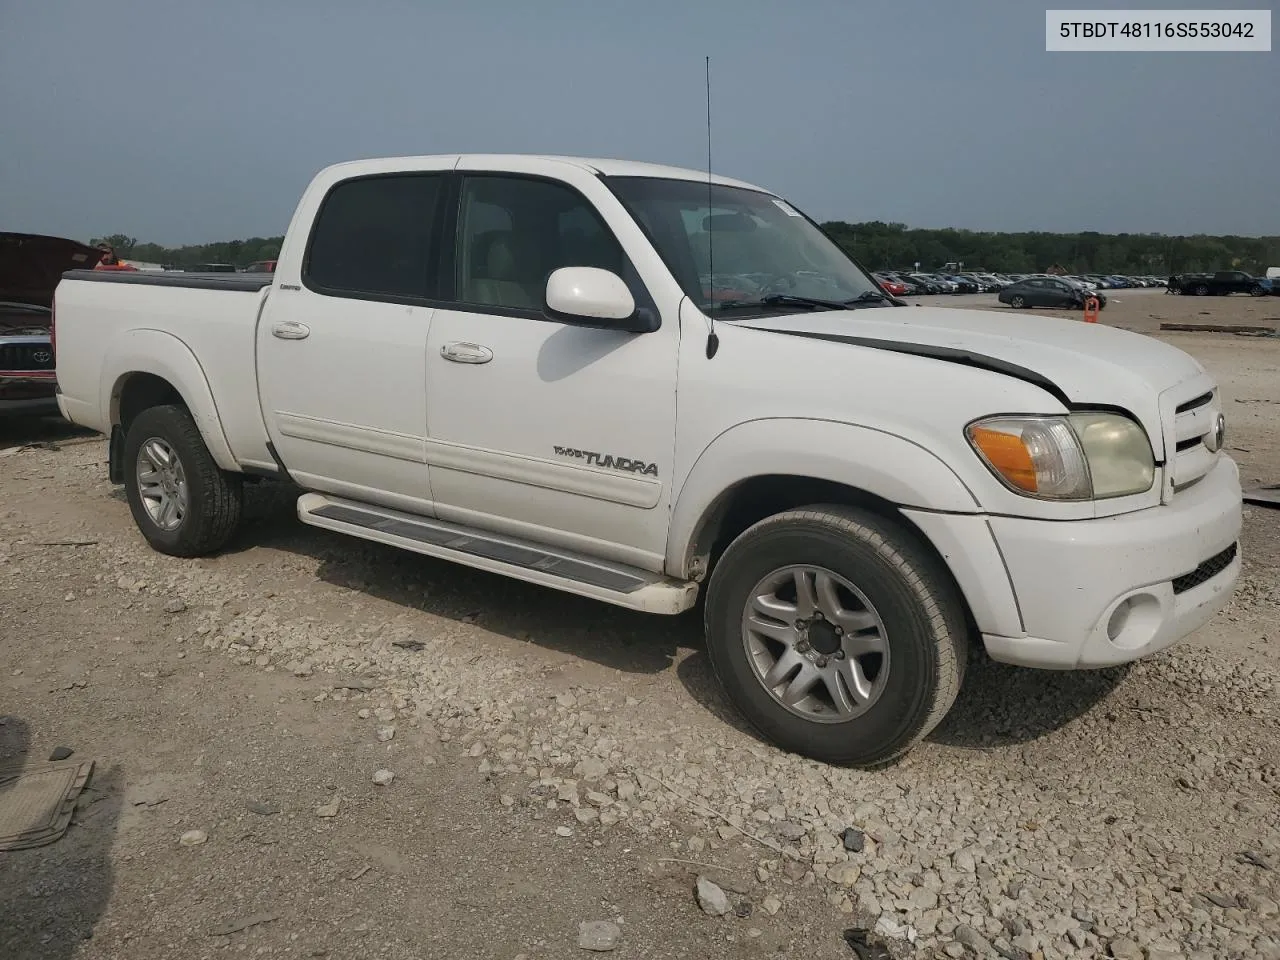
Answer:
(737, 481)
(148, 368)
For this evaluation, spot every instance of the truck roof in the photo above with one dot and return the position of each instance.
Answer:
(603, 166)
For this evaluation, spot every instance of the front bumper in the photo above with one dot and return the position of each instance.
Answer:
(1100, 592)
(25, 393)
(1066, 595)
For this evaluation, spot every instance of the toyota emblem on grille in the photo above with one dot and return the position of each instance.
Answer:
(1218, 435)
(41, 356)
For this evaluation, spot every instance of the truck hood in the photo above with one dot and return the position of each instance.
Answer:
(31, 265)
(1080, 364)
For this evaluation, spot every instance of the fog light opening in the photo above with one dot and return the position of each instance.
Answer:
(1119, 618)
(1135, 621)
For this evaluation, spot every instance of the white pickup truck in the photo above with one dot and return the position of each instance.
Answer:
(639, 384)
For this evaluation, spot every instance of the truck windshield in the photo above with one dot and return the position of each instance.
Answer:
(736, 251)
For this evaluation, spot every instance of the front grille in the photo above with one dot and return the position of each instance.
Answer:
(1194, 421)
(1199, 401)
(26, 356)
(1206, 571)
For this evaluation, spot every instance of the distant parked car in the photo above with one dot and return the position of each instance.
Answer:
(261, 266)
(910, 287)
(1049, 292)
(211, 268)
(927, 283)
(1220, 284)
(966, 284)
(890, 285)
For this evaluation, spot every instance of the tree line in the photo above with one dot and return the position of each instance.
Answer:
(890, 246)
(238, 252)
(895, 246)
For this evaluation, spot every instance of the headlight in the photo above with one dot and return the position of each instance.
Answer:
(1083, 456)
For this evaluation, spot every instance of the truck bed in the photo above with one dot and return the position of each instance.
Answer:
(242, 282)
(196, 330)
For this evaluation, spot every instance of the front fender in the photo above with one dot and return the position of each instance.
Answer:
(164, 355)
(885, 465)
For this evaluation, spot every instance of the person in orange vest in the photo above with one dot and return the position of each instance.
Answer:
(110, 261)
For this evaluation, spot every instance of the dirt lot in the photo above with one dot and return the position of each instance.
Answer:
(557, 761)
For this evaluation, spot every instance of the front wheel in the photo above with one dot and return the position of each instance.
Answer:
(1017, 302)
(836, 634)
(184, 504)
(1257, 291)
(1202, 290)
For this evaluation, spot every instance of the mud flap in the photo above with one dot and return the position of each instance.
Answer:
(115, 455)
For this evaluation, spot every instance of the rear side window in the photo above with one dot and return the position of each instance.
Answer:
(373, 238)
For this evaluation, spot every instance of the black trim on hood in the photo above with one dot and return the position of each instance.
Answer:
(965, 358)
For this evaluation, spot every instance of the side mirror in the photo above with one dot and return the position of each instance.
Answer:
(591, 297)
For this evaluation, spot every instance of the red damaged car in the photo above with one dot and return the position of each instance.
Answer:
(30, 268)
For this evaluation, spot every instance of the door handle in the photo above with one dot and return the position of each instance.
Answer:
(290, 330)
(466, 353)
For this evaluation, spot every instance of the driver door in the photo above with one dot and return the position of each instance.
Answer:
(540, 429)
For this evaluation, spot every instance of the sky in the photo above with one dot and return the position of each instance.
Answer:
(188, 121)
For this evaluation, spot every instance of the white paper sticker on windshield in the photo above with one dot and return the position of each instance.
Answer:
(786, 208)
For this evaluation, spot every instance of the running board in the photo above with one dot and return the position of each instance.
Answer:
(521, 559)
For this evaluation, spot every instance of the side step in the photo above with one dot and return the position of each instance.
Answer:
(521, 559)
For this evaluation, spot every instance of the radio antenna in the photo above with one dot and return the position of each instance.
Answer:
(713, 341)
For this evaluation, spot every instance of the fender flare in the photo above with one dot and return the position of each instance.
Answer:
(163, 355)
(885, 465)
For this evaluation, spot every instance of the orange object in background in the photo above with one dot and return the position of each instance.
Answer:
(110, 261)
(1091, 309)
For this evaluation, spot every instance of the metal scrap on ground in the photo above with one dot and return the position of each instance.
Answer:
(1263, 496)
(1252, 330)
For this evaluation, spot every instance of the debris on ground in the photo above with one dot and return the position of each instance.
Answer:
(853, 839)
(60, 753)
(858, 940)
(329, 810)
(38, 802)
(235, 926)
(193, 838)
(383, 778)
(711, 898)
(1268, 496)
(1250, 330)
(598, 935)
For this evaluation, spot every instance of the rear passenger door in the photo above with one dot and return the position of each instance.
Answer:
(342, 342)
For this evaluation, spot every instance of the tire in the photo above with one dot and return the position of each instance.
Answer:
(1017, 301)
(1202, 291)
(920, 618)
(213, 498)
(1257, 291)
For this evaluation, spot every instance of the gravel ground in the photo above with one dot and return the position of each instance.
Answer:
(557, 761)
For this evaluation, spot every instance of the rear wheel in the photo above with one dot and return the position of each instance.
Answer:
(184, 504)
(1202, 290)
(836, 634)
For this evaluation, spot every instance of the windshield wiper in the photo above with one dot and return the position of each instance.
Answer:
(790, 300)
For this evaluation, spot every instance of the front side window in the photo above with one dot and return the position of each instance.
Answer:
(372, 238)
(732, 248)
(514, 232)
